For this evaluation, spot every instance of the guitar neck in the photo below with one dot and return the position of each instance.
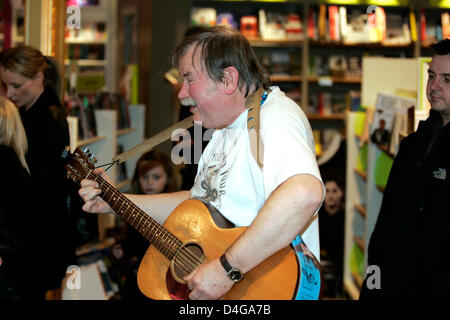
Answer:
(158, 236)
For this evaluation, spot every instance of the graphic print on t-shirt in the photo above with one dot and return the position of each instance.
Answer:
(213, 180)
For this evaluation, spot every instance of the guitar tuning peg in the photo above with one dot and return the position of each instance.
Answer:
(95, 160)
(69, 175)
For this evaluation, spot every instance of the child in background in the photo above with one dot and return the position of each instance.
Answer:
(153, 174)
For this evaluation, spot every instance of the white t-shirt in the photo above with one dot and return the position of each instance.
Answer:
(229, 177)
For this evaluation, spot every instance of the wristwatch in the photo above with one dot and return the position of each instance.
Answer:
(232, 273)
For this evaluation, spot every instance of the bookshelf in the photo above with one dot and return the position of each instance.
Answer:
(321, 69)
(305, 68)
(91, 50)
(12, 30)
(104, 147)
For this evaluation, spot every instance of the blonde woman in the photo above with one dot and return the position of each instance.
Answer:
(33, 84)
(12, 133)
(18, 245)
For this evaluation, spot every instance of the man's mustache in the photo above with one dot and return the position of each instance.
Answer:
(188, 102)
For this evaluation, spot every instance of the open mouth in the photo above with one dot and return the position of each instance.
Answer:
(188, 102)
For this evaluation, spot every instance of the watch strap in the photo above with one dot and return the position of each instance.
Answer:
(225, 264)
(232, 273)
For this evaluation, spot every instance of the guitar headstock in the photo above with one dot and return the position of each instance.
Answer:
(78, 164)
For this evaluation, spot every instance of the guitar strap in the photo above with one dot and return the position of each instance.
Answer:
(253, 104)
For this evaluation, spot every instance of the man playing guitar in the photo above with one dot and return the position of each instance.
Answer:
(277, 201)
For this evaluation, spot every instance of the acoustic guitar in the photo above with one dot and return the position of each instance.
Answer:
(190, 237)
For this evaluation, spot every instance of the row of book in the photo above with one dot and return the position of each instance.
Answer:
(325, 23)
(340, 66)
(327, 103)
(89, 31)
(350, 25)
(288, 63)
(265, 25)
(281, 62)
(86, 51)
(83, 107)
(434, 27)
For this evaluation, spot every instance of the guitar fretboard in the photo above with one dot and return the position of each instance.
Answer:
(158, 236)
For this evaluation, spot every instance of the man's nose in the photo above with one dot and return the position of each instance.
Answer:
(434, 85)
(183, 93)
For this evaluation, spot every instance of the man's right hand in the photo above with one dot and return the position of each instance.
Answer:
(90, 192)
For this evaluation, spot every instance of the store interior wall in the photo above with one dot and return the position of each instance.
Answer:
(169, 20)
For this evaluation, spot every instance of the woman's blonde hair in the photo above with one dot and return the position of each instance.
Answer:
(12, 132)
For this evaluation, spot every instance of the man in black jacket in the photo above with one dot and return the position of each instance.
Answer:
(410, 245)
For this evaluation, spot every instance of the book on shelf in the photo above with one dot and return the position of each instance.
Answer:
(353, 100)
(89, 32)
(322, 22)
(324, 105)
(430, 27)
(312, 25)
(423, 26)
(83, 107)
(333, 23)
(249, 26)
(294, 27)
(354, 67)
(413, 25)
(321, 66)
(390, 118)
(275, 27)
(397, 29)
(377, 30)
(228, 19)
(280, 63)
(203, 17)
(343, 22)
(317, 142)
(338, 65)
(445, 23)
(357, 27)
(129, 82)
(295, 65)
(113, 101)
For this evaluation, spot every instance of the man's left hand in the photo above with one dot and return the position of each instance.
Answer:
(208, 282)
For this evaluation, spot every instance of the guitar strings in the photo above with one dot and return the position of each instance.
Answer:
(182, 258)
(172, 241)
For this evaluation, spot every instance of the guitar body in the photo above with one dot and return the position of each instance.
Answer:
(191, 237)
(274, 279)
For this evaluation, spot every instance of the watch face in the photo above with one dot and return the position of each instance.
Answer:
(235, 275)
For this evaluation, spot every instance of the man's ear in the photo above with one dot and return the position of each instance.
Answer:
(230, 79)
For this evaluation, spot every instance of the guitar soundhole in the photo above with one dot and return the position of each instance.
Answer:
(186, 261)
